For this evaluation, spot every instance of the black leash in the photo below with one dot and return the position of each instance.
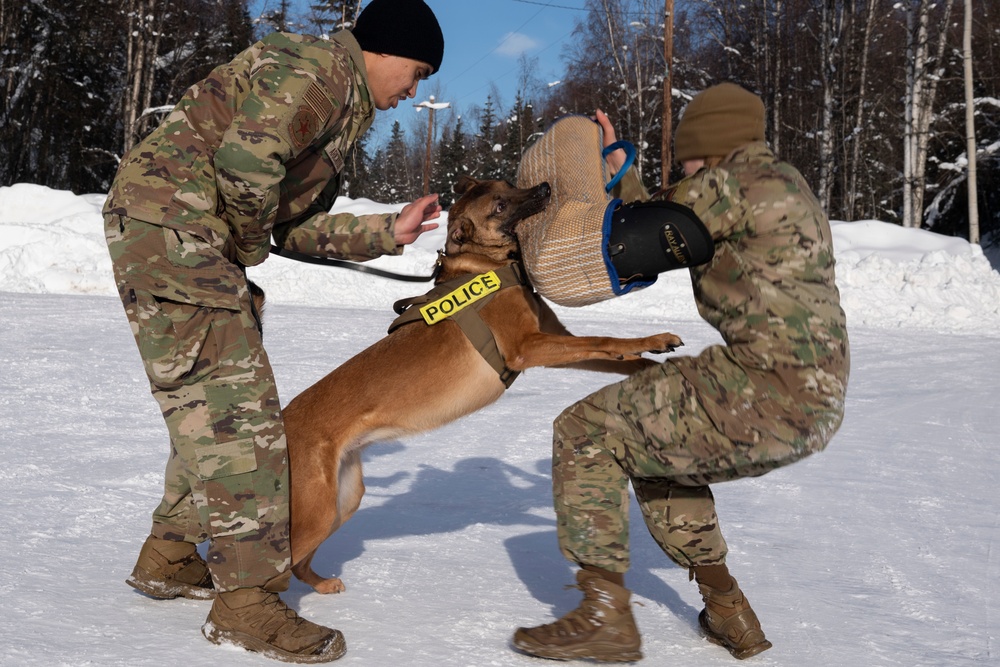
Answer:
(354, 266)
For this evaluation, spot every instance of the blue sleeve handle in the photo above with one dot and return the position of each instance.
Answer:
(629, 159)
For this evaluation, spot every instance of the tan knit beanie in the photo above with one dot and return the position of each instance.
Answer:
(717, 121)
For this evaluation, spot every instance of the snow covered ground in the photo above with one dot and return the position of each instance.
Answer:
(883, 550)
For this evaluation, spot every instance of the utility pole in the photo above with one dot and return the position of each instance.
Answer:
(666, 155)
(431, 107)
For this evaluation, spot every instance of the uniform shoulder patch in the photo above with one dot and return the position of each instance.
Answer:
(303, 126)
(314, 110)
(318, 102)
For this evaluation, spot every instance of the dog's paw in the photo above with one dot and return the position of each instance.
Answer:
(665, 342)
(331, 585)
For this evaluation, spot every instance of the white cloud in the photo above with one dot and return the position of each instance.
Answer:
(514, 44)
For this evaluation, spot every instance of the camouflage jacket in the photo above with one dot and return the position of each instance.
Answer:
(770, 291)
(256, 148)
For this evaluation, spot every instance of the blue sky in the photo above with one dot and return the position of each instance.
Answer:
(484, 40)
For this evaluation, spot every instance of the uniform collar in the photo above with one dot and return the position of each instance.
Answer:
(748, 152)
(363, 93)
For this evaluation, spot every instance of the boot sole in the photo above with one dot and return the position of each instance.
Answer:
(595, 651)
(334, 648)
(719, 640)
(163, 589)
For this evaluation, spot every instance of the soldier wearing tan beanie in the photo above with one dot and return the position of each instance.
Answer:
(771, 395)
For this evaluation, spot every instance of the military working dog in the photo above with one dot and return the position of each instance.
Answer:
(429, 370)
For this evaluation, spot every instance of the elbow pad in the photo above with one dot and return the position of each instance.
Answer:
(648, 238)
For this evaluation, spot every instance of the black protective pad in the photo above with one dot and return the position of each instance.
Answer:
(648, 238)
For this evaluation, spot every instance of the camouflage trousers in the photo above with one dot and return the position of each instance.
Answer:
(226, 478)
(652, 431)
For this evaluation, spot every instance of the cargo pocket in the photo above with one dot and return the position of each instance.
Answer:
(186, 250)
(173, 338)
(181, 342)
(227, 471)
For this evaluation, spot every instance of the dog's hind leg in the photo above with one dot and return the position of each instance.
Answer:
(302, 567)
(350, 486)
(350, 489)
(303, 570)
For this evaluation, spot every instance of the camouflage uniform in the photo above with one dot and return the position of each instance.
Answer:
(254, 149)
(773, 394)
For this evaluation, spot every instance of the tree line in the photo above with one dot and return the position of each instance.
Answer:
(865, 97)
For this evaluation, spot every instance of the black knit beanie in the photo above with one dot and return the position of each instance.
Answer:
(406, 28)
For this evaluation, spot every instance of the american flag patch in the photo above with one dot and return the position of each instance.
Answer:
(318, 102)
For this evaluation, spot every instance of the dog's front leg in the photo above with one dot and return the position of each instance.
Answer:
(550, 323)
(541, 349)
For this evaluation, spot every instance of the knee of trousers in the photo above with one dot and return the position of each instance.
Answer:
(588, 477)
(584, 420)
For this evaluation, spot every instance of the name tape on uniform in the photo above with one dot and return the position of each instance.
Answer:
(472, 291)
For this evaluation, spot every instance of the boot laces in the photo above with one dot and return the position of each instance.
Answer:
(585, 618)
(272, 615)
(188, 564)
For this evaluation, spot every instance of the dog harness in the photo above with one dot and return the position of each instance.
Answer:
(460, 300)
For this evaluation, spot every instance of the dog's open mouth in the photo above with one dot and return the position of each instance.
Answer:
(533, 204)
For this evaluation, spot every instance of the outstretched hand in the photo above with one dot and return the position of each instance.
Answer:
(616, 158)
(412, 220)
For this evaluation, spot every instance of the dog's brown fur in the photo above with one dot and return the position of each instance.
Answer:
(421, 377)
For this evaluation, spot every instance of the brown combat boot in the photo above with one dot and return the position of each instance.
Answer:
(167, 569)
(257, 620)
(728, 620)
(601, 628)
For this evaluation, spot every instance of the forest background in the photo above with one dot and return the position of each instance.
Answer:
(865, 97)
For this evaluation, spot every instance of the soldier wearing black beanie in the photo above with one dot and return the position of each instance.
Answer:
(262, 180)
(406, 28)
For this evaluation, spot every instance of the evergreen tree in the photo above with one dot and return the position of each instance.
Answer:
(277, 19)
(357, 180)
(55, 128)
(452, 162)
(396, 182)
(518, 132)
(328, 16)
(486, 162)
(65, 75)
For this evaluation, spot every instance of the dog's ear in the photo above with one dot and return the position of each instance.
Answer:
(461, 231)
(464, 184)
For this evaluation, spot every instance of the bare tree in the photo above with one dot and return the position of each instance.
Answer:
(632, 51)
(857, 130)
(773, 81)
(970, 124)
(830, 39)
(924, 60)
(145, 20)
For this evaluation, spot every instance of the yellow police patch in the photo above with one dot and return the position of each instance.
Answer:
(454, 301)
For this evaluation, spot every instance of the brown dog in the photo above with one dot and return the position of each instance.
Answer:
(422, 376)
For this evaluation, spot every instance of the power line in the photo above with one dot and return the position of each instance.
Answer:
(501, 76)
(545, 4)
(494, 49)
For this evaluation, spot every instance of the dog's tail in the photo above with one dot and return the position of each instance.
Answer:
(257, 298)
